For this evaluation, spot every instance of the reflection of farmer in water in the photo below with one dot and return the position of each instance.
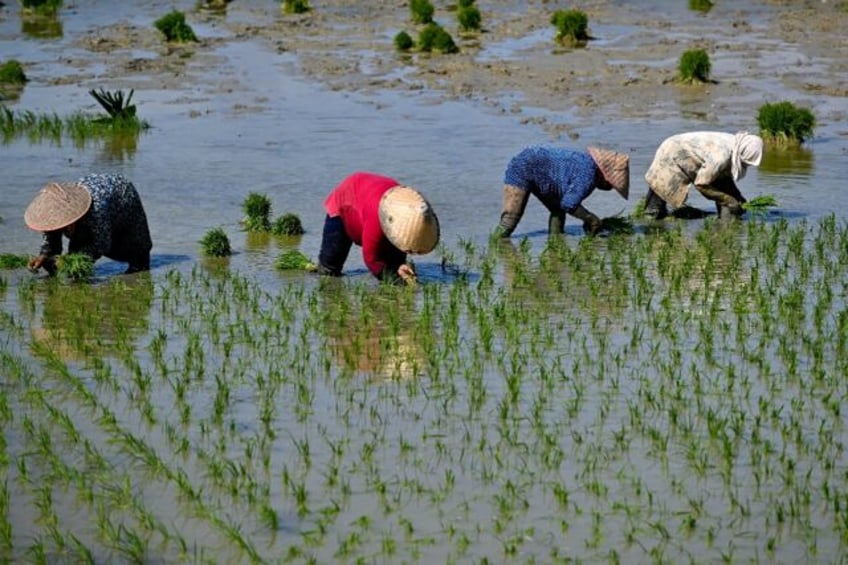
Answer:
(101, 215)
(372, 334)
(80, 321)
(387, 219)
(712, 161)
(561, 179)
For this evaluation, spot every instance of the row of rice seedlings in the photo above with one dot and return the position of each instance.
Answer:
(628, 397)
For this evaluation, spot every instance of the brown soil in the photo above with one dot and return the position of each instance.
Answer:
(628, 71)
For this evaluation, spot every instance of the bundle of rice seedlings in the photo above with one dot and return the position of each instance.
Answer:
(12, 261)
(215, 243)
(294, 260)
(76, 266)
(287, 224)
(760, 204)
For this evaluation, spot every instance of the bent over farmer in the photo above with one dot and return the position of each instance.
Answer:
(712, 161)
(387, 219)
(561, 179)
(100, 214)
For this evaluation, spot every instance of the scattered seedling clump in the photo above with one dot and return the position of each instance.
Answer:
(12, 261)
(287, 224)
(121, 115)
(294, 260)
(12, 73)
(702, 6)
(75, 266)
(175, 28)
(435, 38)
(41, 7)
(295, 6)
(403, 41)
(760, 204)
(694, 66)
(571, 25)
(785, 123)
(257, 211)
(617, 225)
(468, 16)
(215, 243)
(421, 11)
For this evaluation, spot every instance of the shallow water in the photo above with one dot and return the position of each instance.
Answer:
(425, 459)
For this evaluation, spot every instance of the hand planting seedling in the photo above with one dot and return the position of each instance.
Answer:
(215, 243)
(294, 260)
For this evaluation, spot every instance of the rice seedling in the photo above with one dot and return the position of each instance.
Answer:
(216, 243)
(12, 73)
(434, 37)
(571, 26)
(41, 7)
(174, 27)
(468, 17)
(421, 11)
(257, 210)
(293, 259)
(295, 6)
(403, 41)
(75, 266)
(287, 224)
(760, 204)
(783, 123)
(13, 261)
(694, 66)
(617, 225)
(702, 6)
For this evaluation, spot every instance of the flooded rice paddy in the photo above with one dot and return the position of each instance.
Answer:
(667, 396)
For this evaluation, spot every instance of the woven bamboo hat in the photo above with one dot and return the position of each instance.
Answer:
(615, 167)
(408, 220)
(57, 205)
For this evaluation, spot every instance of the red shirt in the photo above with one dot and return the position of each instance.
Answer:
(356, 201)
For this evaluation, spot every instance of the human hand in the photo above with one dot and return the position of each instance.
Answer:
(406, 273)
(592, 225)
(36, 263)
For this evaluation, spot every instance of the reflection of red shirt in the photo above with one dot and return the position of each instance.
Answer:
(356, 201)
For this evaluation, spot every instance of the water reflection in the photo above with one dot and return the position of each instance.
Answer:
(372, 332)
(41, 26)
(789, 160)
(80, 321)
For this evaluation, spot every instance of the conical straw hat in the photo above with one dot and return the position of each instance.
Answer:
(57, 205)
(408, 220)
(615, 167)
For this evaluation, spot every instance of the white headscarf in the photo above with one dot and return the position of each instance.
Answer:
(747, 150)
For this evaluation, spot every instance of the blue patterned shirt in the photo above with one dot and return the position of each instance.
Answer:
(560, 178)
(115, 225)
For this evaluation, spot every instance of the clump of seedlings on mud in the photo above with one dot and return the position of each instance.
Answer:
(295, 6)
(468, 15)
(434, 37)
(174, 27)
(694, 66)
(572, 27)
(421, 11)
(12, 73)
(41, 7)
(257, 217)
(287, 224)
(294, 260)
(702, 6)
(783, 123)
(216, 243)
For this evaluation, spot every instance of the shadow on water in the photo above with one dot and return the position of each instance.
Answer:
(41, 26)
(791, 161)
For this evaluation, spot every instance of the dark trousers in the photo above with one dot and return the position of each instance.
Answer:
(335, 247)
